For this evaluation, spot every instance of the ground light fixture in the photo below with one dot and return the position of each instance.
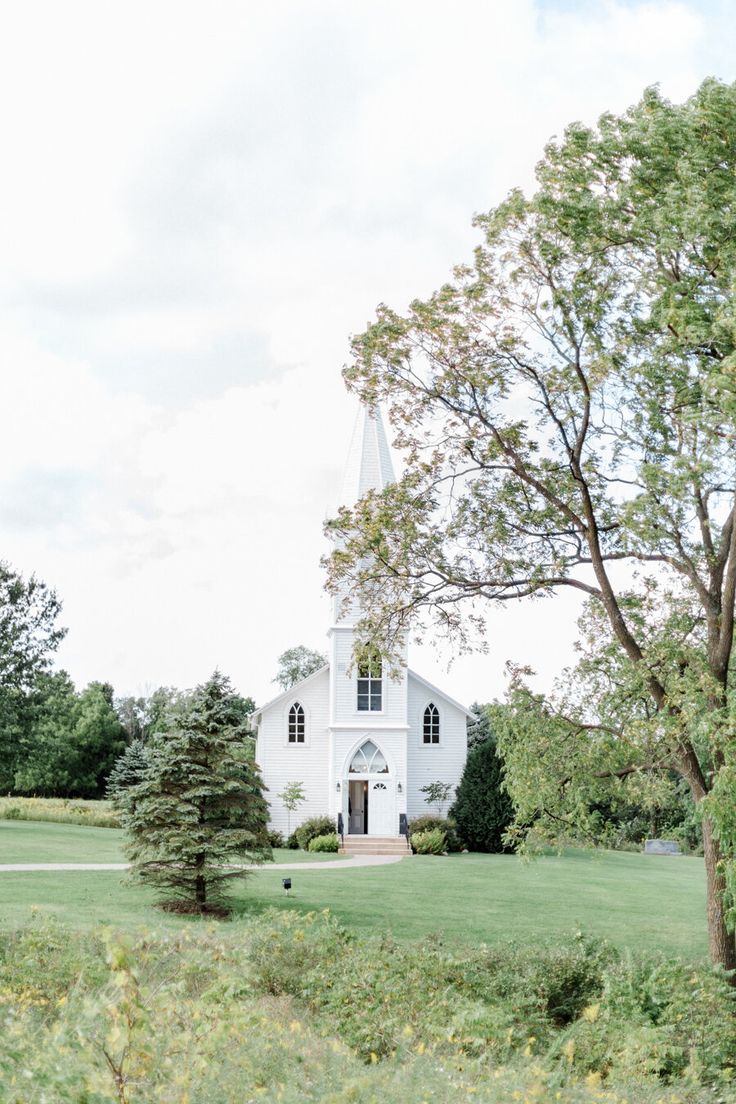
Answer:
(286, 883)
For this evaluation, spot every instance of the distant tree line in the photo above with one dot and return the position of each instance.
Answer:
(56, 740)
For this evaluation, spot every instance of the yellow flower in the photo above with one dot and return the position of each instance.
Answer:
(593, 1079)
(591, 1013)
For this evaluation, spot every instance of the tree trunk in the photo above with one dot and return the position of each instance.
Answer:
(200, 885)
(720, 941)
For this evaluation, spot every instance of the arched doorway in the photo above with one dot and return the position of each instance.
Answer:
(371, 793)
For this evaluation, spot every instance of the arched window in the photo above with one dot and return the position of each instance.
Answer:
(370, 684)
(296, 724)
(368, 759)
(431, 728)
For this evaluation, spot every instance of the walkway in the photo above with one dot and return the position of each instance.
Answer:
(337, 864)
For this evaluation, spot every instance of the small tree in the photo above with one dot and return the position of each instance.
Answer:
(200, 807)
(291, 797)
(436, 793)
(296, 664)
(482, 809)
(129, 770)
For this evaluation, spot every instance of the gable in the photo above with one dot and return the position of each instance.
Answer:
(435, 691)
(309, 684)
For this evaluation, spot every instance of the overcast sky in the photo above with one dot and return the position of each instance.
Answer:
(199, 203)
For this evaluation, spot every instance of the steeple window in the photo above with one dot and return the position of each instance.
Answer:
(370, 682)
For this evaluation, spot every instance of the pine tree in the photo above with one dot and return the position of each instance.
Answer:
(128, 771)
(479, 729)
(482, 809)
(200, 811)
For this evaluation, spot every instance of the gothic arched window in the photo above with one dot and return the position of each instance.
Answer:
(296, 724)
(368, 759)
(370, 683)
(431, 726)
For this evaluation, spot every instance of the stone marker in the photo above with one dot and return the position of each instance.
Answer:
(662, 847)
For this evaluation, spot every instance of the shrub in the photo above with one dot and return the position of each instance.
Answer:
(315, 826)
(482, 809)
(446, 825)
(433, 842)
(292, 843)
(327, 842)
(275, 839)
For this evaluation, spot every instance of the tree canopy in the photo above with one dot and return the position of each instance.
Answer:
(296, 664)
(566, 408)
(29, 637)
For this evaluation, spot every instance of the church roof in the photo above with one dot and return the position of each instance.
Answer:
(369, 466)
(441, 693)
(293, 690)
(290, 690)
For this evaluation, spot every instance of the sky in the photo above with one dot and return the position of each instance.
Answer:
(199, 204)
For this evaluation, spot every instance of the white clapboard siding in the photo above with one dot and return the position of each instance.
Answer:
(433, 762)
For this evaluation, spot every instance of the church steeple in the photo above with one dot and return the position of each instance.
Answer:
(369, 466)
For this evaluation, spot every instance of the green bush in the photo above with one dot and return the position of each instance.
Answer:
(445, 824)
(660, 1018)
(292, 843)
(275, 839)
(315, 826)
(433, 842)
(328, 842)
(291, 1006)
(482, 809)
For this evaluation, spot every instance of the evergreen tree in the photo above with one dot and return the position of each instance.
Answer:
(479, 729)
(200, 808)
(128, 770)
(482, 809)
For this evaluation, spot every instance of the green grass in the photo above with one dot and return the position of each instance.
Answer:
(24, 841)
(647, 902)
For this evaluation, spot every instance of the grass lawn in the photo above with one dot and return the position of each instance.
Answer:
(650, 902)
(28, 841)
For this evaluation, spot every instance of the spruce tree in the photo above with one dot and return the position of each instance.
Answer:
(199, 812)
(128, 770)
(482, 810)
(479, 729)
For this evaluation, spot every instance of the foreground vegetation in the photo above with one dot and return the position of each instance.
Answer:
(293, 1008)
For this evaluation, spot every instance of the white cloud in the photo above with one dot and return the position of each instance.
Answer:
(199, 205)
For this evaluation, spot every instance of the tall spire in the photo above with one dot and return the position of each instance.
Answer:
(369, 466)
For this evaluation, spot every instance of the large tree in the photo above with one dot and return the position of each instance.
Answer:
(29, 636)
(296, 664)
(199, 812)
(70, 742)
(566, 408)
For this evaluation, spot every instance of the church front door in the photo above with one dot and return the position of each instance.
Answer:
(358, 808)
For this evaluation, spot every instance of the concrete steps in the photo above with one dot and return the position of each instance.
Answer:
(375, 845)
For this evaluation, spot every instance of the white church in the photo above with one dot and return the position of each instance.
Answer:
(362, 743)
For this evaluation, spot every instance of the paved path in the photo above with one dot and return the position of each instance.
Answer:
(330, 864)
